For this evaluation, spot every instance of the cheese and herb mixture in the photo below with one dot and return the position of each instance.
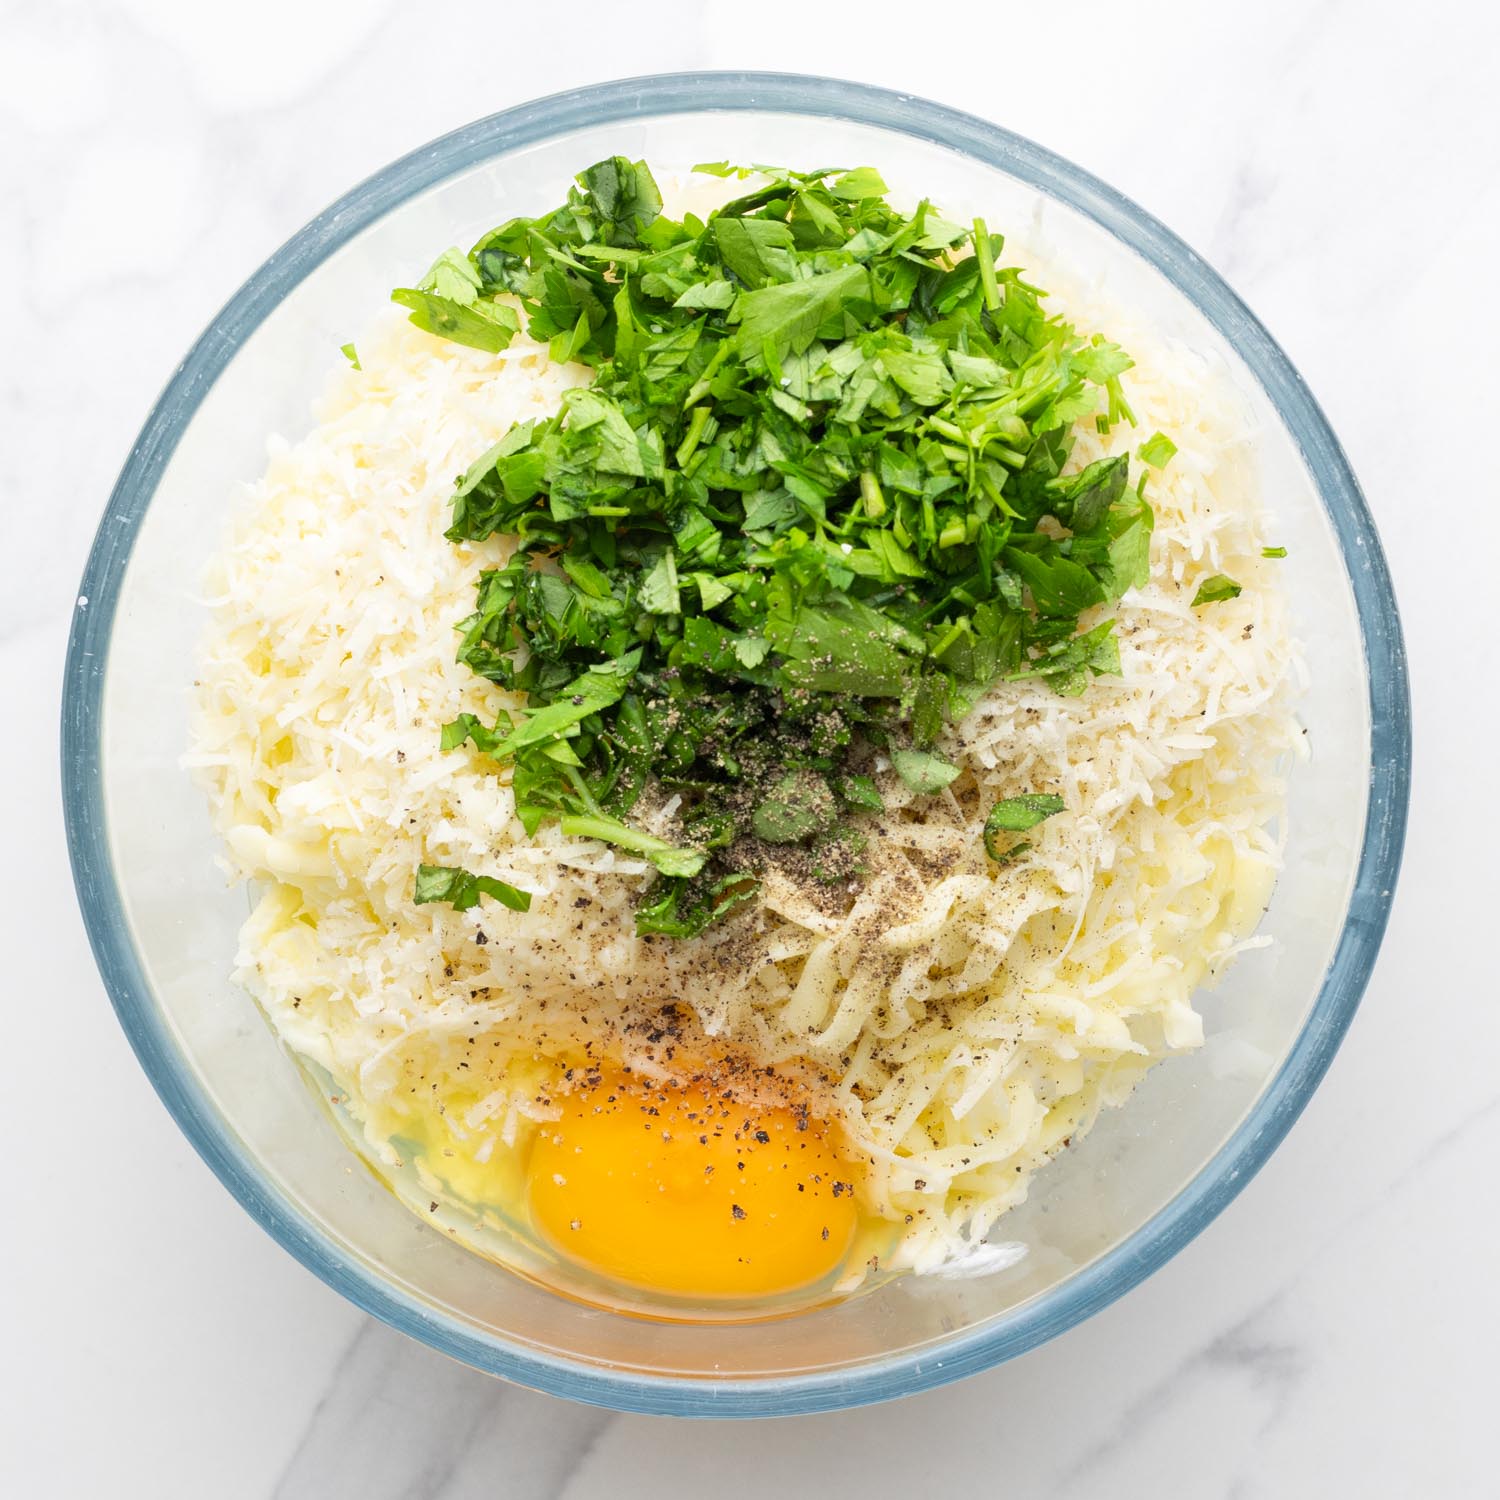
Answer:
(746, 731)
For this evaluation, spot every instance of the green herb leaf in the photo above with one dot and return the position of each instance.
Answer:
(614, 445)
(712, 591)
(1102, 361)
(1214, 589)
(625, 197)
(785, 319)
(862, 182)
(799, 806)
(659, 592)
(453, 278)
(1059, 587)
(1017, 815)
(862, 793)
(1089, 496)
(667, 914)
(921, 373)
(481, 325)
(843, 647)
(1158, 450)
(597, 689)
(758, 251)
(351, 354)
(715, 296)
(462, 890)
(923, 771)
(750, 650)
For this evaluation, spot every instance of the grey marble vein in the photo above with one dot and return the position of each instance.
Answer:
(1258, 1353)
(399, 1422)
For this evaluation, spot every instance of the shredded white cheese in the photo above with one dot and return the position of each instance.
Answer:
(973, 1018)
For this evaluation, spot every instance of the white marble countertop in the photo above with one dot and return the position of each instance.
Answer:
(1332, 1332)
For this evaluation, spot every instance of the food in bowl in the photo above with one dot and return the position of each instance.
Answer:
(748, 723)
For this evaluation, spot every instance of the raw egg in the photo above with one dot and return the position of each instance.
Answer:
(690, 1189)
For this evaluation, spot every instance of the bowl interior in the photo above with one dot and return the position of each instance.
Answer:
(193, 1025)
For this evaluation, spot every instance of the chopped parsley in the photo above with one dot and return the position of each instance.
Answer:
(923, 771)
(1017, 815)
(1216, 588)
(1158, 450)
(812, 506)
(462, 890)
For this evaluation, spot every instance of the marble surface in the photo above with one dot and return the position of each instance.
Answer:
(1332, 1333)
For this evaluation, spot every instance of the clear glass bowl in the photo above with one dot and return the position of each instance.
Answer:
(163, 925)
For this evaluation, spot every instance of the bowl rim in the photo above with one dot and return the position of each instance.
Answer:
(1216, 1184)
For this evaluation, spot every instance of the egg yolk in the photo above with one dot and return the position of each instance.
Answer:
(680, 1189)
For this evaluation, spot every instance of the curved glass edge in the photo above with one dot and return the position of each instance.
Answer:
(1098, 1284)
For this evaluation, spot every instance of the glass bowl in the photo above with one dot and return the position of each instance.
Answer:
(163, 924)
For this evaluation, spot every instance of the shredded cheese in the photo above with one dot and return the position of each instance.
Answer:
(972, 1018)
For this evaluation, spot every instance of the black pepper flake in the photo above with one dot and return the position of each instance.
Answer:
(480, 938)
(737, 1211)
(825, 1231)
(763, 1136)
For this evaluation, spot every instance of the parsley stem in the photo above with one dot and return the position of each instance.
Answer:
(690, 443)
(609, 831)
(1039, 394)
(705, 380)
(960, 627)
(668, 858)
(1119, 407)
(986, 256)
(871, 494)
(929, 519)
(1005, 453)
(581, 787)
